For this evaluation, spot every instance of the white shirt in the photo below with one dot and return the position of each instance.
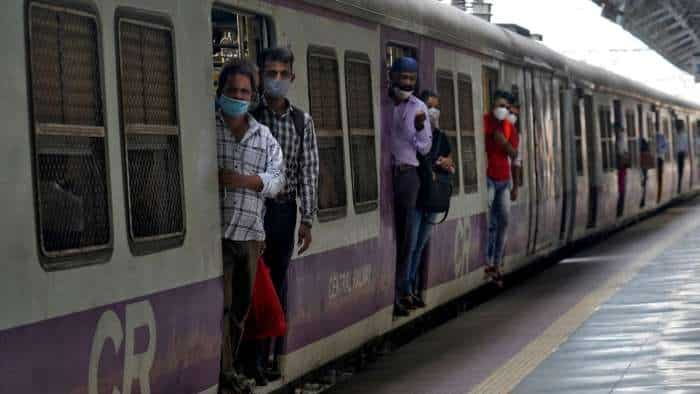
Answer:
(257, 153)
(621, 143)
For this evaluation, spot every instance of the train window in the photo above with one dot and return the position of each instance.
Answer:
(607, 142)
(578, 137)
(467, 133)
(150, 132)
(324, 100)
(395, 51)
(363, 156)
(71, 175)
(632, 139)
(667, 133)
(490, 82)
(237, 34)
(448, 118)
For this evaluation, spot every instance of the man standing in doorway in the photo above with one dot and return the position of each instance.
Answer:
(250, 170)
(681, 151)
(661, 149)
(410, 134)
(501, 147)
(622, 155)
(294, 130)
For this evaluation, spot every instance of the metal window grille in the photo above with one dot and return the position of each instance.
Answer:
(71, 180)
(448, 119)
(468, 138)
(363, 156)
(150, 127)
(324, 100)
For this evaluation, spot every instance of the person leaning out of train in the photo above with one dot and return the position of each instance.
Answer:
(622, 158)
(433, 196)
(251, 169)
(410, 135)
(294, 130)
(661, 150)
(682, 147)
(501, 148)
(517, 163)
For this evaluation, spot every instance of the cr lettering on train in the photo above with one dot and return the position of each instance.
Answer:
(136, 366)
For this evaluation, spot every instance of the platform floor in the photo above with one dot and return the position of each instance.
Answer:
(622, 316)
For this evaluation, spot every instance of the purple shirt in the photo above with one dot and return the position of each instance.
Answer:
(405, 140)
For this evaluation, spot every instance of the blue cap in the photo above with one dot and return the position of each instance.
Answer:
(405, 65)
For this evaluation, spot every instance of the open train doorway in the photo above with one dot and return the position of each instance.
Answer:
(589, 123)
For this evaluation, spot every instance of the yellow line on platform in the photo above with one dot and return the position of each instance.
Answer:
(510, 374)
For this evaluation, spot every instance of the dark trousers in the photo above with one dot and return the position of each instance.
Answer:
(645, 174)
(280, 222)
(240, 265)
(659, 178)
(406, 185)
(681, 167)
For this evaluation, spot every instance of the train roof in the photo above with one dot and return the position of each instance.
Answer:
(460, 29)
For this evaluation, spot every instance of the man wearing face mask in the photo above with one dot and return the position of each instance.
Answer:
(501, 147)
(250, 170)
(294, 130)
(410, 134)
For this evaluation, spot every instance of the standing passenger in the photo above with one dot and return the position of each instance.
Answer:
(294, 130)
(410, 135)
(661, 149)
(250, 169)
(622, 156)
(681, 152)
(437, 161)
(644, 155)
(501, 147)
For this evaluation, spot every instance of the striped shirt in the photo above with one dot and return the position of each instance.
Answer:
(301, 167)
(257, 153)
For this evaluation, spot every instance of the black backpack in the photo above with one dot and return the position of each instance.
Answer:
(435, 184)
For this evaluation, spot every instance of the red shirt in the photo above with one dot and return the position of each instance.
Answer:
(498, 165)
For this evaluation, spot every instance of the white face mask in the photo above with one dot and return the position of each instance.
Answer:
(500, 113)
(403, 94)
(434, 115)
(513, 119)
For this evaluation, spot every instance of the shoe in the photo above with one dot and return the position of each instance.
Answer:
(236, 382)
(272, 374)
(407, 302)
(259, 377)
(417, 301)
(400, 310)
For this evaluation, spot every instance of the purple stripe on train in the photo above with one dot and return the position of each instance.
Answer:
(168, 342)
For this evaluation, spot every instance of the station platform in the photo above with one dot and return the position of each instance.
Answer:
(621, 316)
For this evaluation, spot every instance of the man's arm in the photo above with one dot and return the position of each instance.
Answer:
(273, 179)
(233, 180)
(424, 136)
(308, 174)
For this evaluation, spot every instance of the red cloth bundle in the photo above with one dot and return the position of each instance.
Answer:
(266, 317)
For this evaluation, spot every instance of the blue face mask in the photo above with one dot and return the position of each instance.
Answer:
(232, 107)
(277, 87)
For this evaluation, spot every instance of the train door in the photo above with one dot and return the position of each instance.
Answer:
(580, 208)
(589, 122)
(568, 157)
(529, 123)
(561, 155)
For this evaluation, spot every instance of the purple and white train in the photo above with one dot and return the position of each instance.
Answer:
(112, 276)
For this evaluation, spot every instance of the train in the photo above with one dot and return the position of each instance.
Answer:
(112, 276)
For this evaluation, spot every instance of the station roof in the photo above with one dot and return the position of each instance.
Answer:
(670, 27)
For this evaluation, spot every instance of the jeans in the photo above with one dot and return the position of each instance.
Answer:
(681, 167)
(422, 226)
(406, 185)
(499, 213)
